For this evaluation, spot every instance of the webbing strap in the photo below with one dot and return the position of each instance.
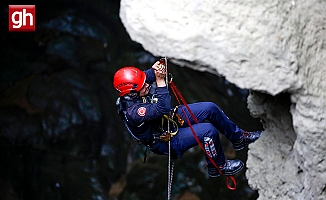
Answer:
(179, 97)
(169, 119)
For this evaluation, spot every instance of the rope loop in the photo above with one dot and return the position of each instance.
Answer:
(234, 183)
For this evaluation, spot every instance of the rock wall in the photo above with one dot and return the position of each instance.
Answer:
(274, 48)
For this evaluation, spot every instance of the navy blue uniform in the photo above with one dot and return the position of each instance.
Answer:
(144, 121)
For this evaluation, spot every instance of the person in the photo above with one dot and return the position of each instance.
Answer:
(142, 105)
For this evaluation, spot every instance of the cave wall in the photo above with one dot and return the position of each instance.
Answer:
(276, 49)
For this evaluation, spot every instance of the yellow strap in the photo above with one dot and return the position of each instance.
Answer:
(171, 120)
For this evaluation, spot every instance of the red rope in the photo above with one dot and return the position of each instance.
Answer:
(179, 96)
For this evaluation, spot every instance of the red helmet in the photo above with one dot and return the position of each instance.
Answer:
(128, 79)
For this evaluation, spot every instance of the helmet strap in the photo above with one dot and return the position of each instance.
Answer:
(131, 95)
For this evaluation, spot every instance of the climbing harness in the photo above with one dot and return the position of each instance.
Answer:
(173, 120)
(164, 133)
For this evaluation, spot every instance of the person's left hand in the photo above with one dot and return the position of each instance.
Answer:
(160, 72)
(159, 69)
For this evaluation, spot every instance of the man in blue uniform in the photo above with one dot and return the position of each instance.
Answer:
(142, 111)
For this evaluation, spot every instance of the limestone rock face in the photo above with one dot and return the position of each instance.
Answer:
(274, 48)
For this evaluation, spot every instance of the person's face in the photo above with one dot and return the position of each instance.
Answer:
(144, 90)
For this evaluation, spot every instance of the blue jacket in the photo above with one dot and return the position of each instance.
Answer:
(143, 116)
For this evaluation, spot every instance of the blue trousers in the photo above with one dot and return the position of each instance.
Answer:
(212, 121)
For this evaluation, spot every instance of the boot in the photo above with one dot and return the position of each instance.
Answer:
(247, 138)
(229, 168)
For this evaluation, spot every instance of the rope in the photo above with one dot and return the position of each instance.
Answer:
(170, 173)
(170, 166)
(179, 96)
